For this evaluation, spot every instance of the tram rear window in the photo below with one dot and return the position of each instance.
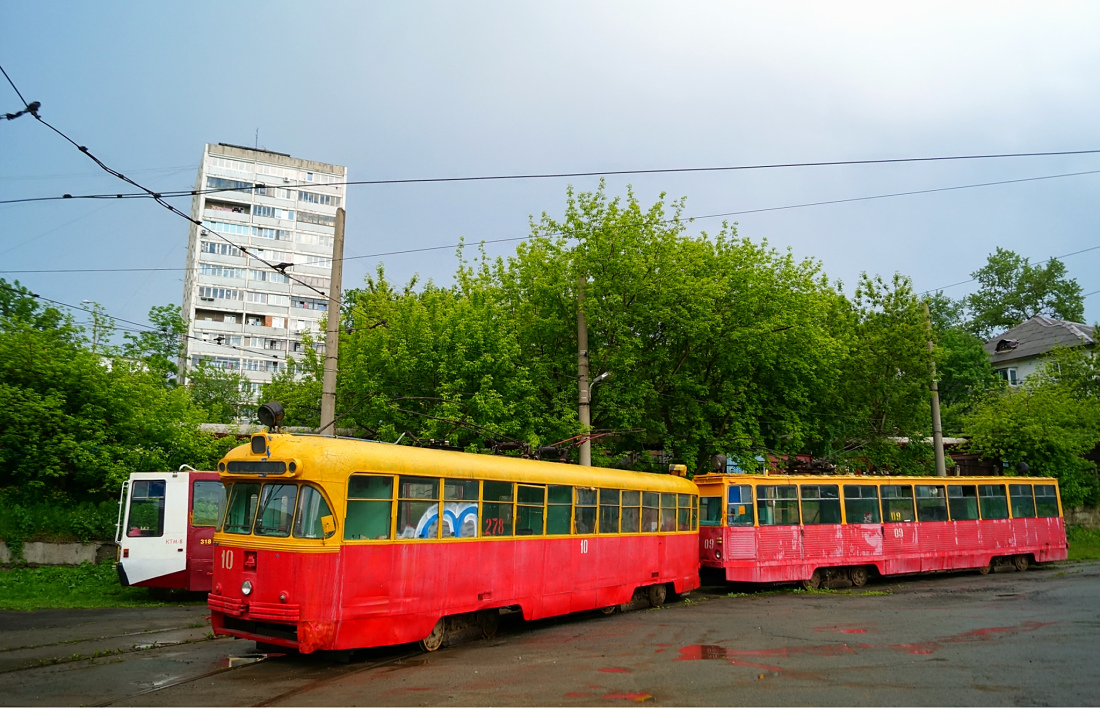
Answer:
(962, 500)
(710, 511)
(146, 517)
(1046, 501)
(1023, 502)
(992, 500)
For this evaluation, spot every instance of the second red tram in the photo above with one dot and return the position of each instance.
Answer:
(333, 544)
(814, 529)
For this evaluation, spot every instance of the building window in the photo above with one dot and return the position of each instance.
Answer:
(220, 183)
(1009, 375)
(316, 198)
(308, 217)
(219, 293)
(220, 249)
(220, 271)
(223, 227)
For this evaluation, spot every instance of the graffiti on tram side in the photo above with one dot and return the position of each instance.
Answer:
(459, 521)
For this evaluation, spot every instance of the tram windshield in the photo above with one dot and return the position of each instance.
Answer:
(146, 517)
(277, 509)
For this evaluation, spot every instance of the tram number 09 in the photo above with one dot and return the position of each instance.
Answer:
(708, 543)
(227, 559)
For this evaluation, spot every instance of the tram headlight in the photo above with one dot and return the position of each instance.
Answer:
(717, 554)
(246, 588)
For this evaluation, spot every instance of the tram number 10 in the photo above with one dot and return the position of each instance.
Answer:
(584, 545)
(227, 559)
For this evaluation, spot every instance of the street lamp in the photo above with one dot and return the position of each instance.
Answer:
(595, 381)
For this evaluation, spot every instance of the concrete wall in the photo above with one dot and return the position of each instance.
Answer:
(1087, 516)
(60, 553)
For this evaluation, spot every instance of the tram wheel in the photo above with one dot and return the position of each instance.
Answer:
(814, 581)
(1021, 563)
(859, 575)
(610, 609)
(435, 640)
(986, 569)
(489, 622)
(657, 595)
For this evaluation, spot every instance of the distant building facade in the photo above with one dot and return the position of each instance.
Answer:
(1019, 352)
(241, 314)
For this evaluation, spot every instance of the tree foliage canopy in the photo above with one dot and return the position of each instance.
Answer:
(1011, 291)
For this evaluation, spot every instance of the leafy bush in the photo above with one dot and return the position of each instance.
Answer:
(45, 521)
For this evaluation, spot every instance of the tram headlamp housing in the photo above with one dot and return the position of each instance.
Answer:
(271, 414)
(246, 588)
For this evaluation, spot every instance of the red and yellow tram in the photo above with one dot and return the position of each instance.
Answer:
(338, 544)
(814, 529)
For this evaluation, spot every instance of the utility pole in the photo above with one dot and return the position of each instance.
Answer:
(332, 331)
(937, 428)
(584, 406)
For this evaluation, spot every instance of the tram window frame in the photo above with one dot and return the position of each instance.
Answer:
(1047, 499)
(498, 519)
(630, 518)
(767, 504)
(822, 508)
(961, 505)
(894, 509)
(610, 499)
(584, 511)
(857, 506)
(313, 518)
(417, 500)
(153, 498)
(710, 511)
(559, 510)
(271, 492)
(668, 512)
(651, 512)
(694, 512)
(683, 512)
(456, 493)
(251, 504)
(358, 521)
(934, 505)
(745, 514)
(205, 498)
(530, 509)
(1029, 497)
(991, 505)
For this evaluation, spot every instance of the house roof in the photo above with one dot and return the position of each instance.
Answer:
(1037, 336)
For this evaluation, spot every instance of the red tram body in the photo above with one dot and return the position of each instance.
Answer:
(812, 529)
(338, 544)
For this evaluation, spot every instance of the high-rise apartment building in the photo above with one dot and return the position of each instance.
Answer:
(242, 315)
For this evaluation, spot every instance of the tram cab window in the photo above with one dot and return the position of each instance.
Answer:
(684, 510)
(239, 512)
(559, 509)
(931, 503)
(992, 500)
(710, 511)
(820, 504)
(276, 511)
(418, 507)
(861, 504)
(632, 512)
(668, 512)
(962, 502)
(530, 504)
(207, 502)
(739, 512)
(584, 513)
(897, 503)
(609, 510)
(651, 512)
(1046, 501)
(310, 515)
(460, 518)
(146, 517)
(370, 499)
(1023, 503)
(496, 519)
(777, 504)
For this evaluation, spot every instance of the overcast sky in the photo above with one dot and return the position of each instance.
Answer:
(423, 89)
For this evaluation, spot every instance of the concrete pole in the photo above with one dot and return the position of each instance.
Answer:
(584, 406)
(937, 428)
(332, 331)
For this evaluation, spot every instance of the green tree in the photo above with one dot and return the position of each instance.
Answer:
(222, 393)
(1011, 290)
(963, 369)
(159, 349)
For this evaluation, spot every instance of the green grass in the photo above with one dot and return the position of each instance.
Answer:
(1084, 544)
(66, 587)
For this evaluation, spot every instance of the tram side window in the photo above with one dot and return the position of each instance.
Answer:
(1023, 503)
(460, 508)
(632, 512)
(897, 503)
(243, 497)
(609, 510)
(777, 504)
(496, 518)
(559, 509)
(710, 511)
(584, 513)
(931, 503)
(1046, 501)
(992, 500)
(207, 503)
(651, 512)
(530, 503)
(146, 517)
(276, 509)
(820, 504)
(418, 507)
(683, 512)
(694, 512)
(312, 509)
(739, 511)
(861, 504)
(369, 506)
(962, 501)
(668, 512)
